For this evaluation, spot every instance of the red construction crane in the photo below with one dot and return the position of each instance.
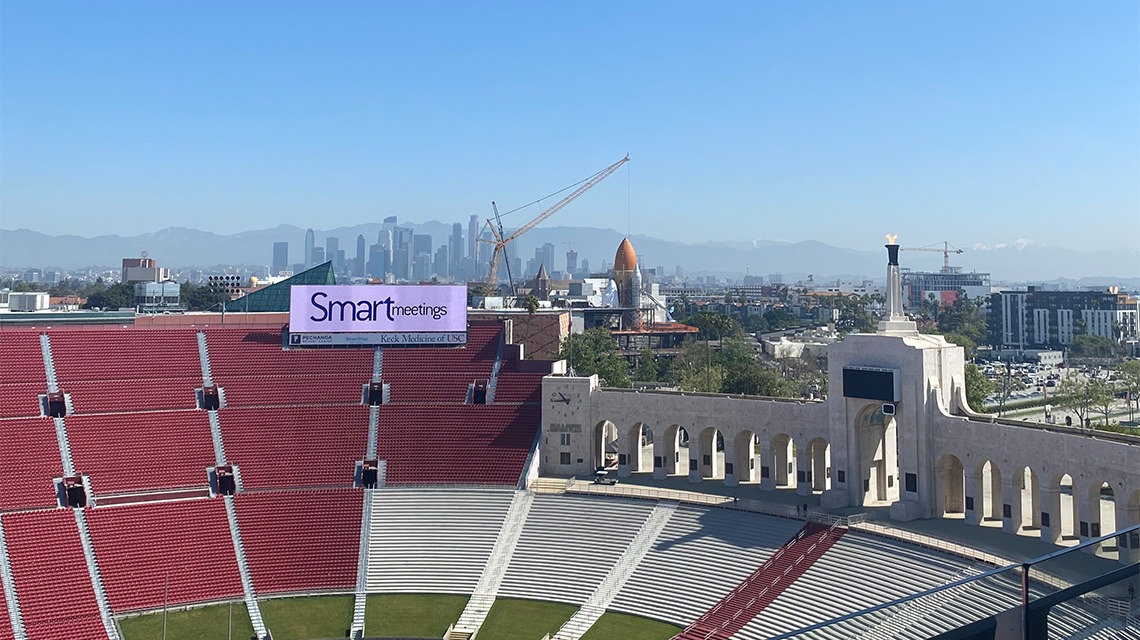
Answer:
(496, 228)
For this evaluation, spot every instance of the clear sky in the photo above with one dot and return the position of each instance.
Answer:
(973, 122)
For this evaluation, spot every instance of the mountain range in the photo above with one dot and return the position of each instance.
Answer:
(178, 247)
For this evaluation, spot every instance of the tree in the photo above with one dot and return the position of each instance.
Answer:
(693, 368)
(1009, 384)
(968, 344)
(1092, 346)
(595, 352)
(1101, 396)
(116, 296)
(647, 369)
(964, 318)
(1129, 374)
(202, 298)
(530, 303)
(978, 387)
(1080, 395)
(714, 326)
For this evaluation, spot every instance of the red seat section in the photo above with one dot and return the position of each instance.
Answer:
(479, 444)
(57, 600)
(104, 396)
(475, 359)
(134, 451)
(187, 541)
(21, 358)
(301, 540)
(255, 371)
(296, 446)
(29, 461)
(511, 388)
(22, 377)
(125, 354)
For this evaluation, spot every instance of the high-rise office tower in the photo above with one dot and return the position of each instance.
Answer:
(572, 261)
(318, 255)
(421, 243)
(332, 250)
(280, 258)
(455, 248)
(361, 247)
(442, 267)
(473, 240)
(310, 242)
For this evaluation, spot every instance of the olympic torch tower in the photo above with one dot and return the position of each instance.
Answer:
(896, 322)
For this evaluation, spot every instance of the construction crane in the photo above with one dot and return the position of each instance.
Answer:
(501, 240)
(946, 250)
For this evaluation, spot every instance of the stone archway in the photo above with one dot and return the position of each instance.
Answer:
(950, 498)
(605, 445)
(878, 462)
(710, 454)
(783, 467)
(819, 465)
(670, 453)
(638, 449)
(991, 494)
(746, 458)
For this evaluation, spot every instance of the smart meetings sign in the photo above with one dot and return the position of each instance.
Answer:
(327, 315)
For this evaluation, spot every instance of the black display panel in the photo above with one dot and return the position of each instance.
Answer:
(871, 384)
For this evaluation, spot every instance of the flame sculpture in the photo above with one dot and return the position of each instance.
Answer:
(892, 238)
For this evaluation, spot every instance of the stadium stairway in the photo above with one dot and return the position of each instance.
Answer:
(600, 600)
(204, 359)
(8, 587)
(49, 363)
(96, 576)
(246, 579)
(758, 590)
(479, 604)
(361, 596)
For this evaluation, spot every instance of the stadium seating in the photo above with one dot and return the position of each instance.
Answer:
(23, 358)
(475, 359)
(568, 545)
(301, 540)
(137, 451)
(462, 444)
(125, 354)
(110, 396)
(29, 460)
(140, 546)
(294, 447)
(57, 600)
(871, 570)
(514, 388)
(278, 390)
(21, 399)
(433, 540)
(765, 584)
(248, 354)
(703, 553)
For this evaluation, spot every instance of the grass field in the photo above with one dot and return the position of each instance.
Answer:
(524, 619)
(305, 618)
(195, 624)
(423, 615)
(619, 625)
(409, 615)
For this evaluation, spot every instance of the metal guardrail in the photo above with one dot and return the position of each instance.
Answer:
(705, 394)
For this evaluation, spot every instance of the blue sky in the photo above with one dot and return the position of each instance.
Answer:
(975, 122)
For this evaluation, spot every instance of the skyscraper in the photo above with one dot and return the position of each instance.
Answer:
(442, 267)
(280, 258)
(455, 248)
(332, 250)
(359, 268)
(310, 242)
(571, 261)
(473, 241)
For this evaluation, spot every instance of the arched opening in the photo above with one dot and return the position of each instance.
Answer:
(819, 465)
(639, 448)
(1028, 496)
(674, 451)
(878, 459)
(605, 449)
(746, 458)
(951, 495)
(710, 450)
(1067, 511)
(991, 495)
(783, 461)
(1133, 510)
(1102, 515)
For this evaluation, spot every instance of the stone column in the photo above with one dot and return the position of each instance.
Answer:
(973, 489)
(660, 452)
(1088, 506)
(1011, 496)
(732, 479)
(1052, 505)
(803, 468)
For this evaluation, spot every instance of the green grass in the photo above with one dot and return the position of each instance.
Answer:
(524, 619)
(620, 625)
(423, 615)
(207, 623)
(305, 618)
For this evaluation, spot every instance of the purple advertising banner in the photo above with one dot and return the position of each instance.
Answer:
(377, 308)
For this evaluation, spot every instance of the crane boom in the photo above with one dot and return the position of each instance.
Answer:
(496, 228)
(946, 250)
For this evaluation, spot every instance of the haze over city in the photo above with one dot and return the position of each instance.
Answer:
(978, 124)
